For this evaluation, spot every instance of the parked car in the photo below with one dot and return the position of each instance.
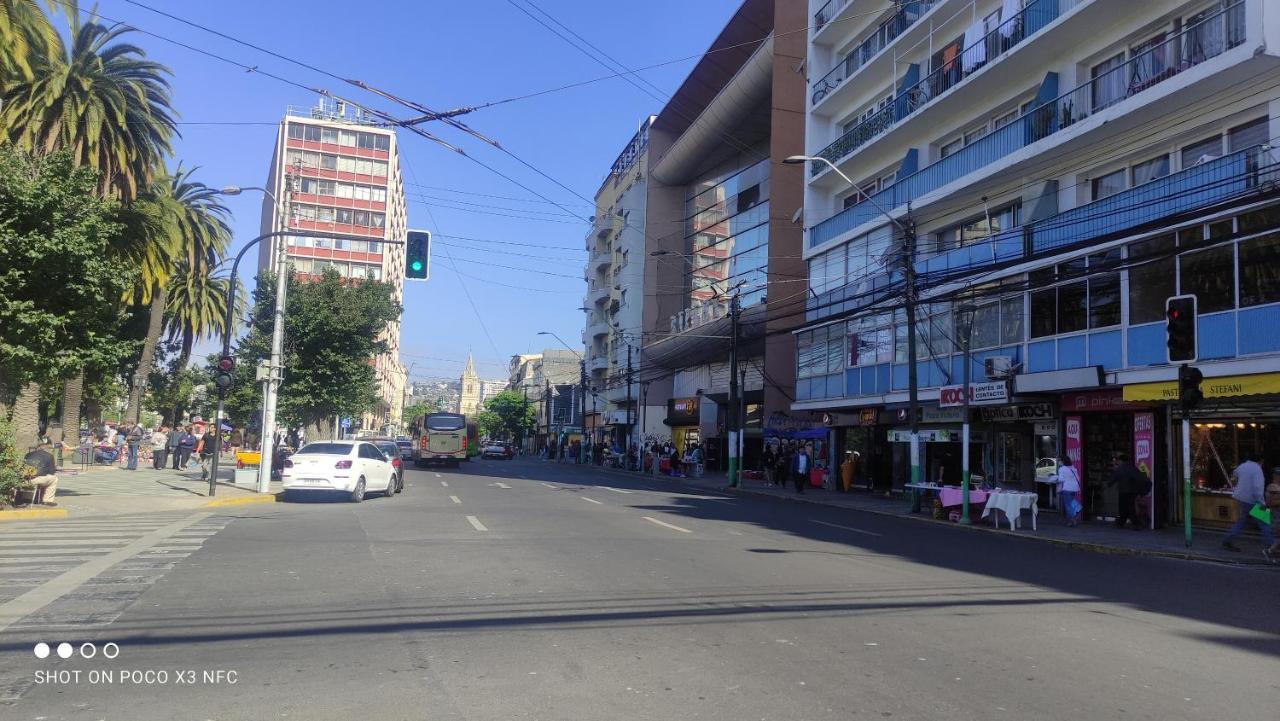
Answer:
(497, 449)
(352, 467)
(391, 450)
(406, 448)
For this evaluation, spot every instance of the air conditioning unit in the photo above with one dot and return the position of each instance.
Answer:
(998, 367)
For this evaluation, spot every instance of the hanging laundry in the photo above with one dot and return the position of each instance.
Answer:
(1010, 20)
(975, 47)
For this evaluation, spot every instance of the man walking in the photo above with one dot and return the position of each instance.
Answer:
(159, 443)
(1132, 484)
(208, 442)
(173, 439)
(186, 444)
(1249, 492)
(800, 468)
(132, 439)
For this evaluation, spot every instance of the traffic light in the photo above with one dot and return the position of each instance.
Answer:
(417, 255)
(224, 372)
(1189, 393)
(1180, 320)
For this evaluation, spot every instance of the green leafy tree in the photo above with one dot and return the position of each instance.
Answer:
(331, 337)
(59, 283)
(25, 34)
(415, 410)
(513, 414)
(489, 424)
(13, 471)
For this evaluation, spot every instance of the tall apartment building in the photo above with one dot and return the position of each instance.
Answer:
(338, 173)
(615, 281)
(721, 219)
(1054, 170)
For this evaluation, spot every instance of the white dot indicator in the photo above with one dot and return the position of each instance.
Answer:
(65, 650)
(88, 650)
(42, 650)
(110, 650)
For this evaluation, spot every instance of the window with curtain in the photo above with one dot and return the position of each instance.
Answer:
(1108, 85)
(1255, 132)
(1150, 170)
(1202, 151)
(1108, 184)
(1151, 283)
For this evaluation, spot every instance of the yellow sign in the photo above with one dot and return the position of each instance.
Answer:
(1220, 387)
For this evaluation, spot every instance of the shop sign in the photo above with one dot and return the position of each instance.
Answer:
(942, 415)
(1019, 412)
(935, 435)
(1221, 387)
(867, 416)
(1144, 441)
(1112, 399)
(980, 394)
(1074, 444)
(1046, 428)
(682, 411)
(828, 419)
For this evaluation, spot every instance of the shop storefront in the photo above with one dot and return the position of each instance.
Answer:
(1096, 425)
(811, 431)
(1023, 451)
(684, 418)
(1240, 416)
(856, 433)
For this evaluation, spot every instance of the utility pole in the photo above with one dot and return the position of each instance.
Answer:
(546, 414)
(731, 412)
(630, 440)
(276, 369)
(742, 424)
(582, 402)
(968, 311)
(913, 382)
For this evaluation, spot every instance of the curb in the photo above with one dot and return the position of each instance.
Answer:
(1078, 545)
(242, 501)
(30, 514)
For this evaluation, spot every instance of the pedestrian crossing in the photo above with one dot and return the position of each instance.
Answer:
(32, 554)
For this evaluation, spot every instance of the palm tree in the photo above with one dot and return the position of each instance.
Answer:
(197, 293)
(25, 32)
(112, 108)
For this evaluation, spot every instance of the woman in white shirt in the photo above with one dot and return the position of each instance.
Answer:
(1068, 491)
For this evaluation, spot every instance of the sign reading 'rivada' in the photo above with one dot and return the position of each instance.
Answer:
(980, 394)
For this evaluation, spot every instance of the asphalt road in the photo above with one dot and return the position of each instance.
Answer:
(523, 590)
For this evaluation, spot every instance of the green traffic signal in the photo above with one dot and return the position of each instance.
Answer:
(417, 253)
(415, 265)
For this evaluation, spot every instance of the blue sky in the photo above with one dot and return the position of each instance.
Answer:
(443, 54)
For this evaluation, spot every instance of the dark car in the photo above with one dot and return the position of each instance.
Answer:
(406, 449)
(392, 451)
(497, 449)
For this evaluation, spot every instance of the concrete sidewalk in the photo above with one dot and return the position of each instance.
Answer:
(113, 490)
(1095, 536)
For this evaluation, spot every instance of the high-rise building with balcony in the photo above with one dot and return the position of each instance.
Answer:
(1051, 171)
(334, 171)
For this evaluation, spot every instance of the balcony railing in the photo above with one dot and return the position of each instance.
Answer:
(1213, 182)
(826, 12)
(885, 33)
(1003, 38)
(1207, 39)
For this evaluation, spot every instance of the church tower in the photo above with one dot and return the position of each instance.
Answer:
(469, 399)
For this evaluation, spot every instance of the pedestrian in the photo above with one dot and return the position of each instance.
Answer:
(133, 438)
(207, 445)
(120, 442)
(782, 466)
(186, 445)
(800, 468)
(767, 460)
(237, 441)
(172, 441)
(1271, 497)
(159, 443)
(1132, 483)
(44, 482)
(1249, 492)
(847, 469)
(1069, 492)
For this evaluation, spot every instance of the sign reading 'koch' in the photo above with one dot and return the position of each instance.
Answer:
(980, 394)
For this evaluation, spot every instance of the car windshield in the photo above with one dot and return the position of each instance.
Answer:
(329, 449)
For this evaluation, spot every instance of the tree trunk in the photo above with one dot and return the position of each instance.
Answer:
(140, 377)
(26, 417)
(188, 342)
(72, 398)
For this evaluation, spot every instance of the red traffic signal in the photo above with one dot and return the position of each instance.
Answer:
(1180, 327)
(226, 364)
(224, 371)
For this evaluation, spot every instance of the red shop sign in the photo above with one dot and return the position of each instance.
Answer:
(1111, 399)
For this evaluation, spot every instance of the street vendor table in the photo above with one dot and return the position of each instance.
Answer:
(919, 491)
(1012, 503)
(954, 496)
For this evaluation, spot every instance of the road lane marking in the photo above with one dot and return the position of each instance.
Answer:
(476, 524)
(455, 499)
(41, 596)
(615, 490)
(444, 483)
(846, 528)
(437, 475)
(548, 485)
(591, 500)
(500, 485)
(736, 533)
(664, 524)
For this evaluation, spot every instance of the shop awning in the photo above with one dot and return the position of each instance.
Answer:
(1220, 387)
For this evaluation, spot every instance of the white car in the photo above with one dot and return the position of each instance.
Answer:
(352, 467)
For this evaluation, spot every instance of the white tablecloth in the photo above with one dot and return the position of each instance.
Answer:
(1012, 503)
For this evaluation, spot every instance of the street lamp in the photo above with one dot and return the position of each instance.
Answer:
(271, 390)
(909, 303)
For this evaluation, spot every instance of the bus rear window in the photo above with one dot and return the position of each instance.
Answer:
(446, 423)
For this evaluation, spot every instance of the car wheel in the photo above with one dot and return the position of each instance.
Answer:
(399, 483)
(391, 486)
(357, 495)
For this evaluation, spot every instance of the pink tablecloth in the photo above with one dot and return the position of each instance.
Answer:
(952, 496)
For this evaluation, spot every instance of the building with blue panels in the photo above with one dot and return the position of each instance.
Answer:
(1062, 168)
